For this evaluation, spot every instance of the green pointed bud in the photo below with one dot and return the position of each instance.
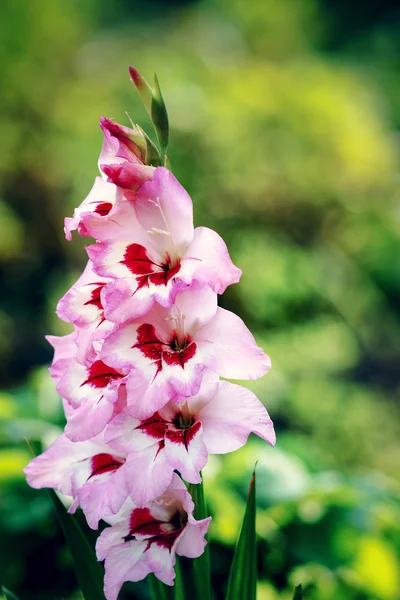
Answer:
(159, 116)
(143, 88)
(151, 154)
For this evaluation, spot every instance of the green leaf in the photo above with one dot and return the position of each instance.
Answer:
(159, 116)
(7, 594)
(298, 593)
(158, 589)
(242, 583)
(89, 572)
(200, 584)
(143, 88)
(179, 589)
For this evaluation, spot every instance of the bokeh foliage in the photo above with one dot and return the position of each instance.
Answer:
(284, 119)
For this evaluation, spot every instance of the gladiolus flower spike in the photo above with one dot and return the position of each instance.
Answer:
(139, 375)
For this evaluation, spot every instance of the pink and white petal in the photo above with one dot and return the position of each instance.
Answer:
(165, 294)
(131, 435)
(148, 473)
(118, 349)
(124, 300)
(192, 543)
(163, 205)
(185, 451)
(120, 224)
(161, 562)
(183, 376)
(56, 466)
(81, 305)
(101, 198)
(89, 419)
(236, 351)
(230, 417)
(103, 496)
(123, 563)
(207, 260)
(146, 394)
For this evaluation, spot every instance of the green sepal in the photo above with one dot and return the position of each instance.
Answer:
(143, 88)
(242, 584)
(7, 594)
(151, 154)
(89, 572)
(201, 584)
(298, 593)
(159, 116)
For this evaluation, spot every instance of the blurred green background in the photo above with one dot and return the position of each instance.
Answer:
(285, 117)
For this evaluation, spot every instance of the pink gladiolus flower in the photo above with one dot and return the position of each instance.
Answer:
(180, 437)
(90, 472)
(145, 540)
(159, 253)
(165, 353)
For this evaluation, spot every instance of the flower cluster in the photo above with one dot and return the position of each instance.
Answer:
(140, 373)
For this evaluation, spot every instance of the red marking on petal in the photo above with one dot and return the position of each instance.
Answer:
(104, 463)
(182, 436)
(153, 427)
(163, 533)
(95, 296)
(103, 208)
(100, 375)
(149, 344)
(180, 357)
(163, 277)
(137, 260)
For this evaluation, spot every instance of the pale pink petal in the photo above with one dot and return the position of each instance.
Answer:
(89, 419)
(148, 473)
(229, 418)
(196, 306)
(123, 563)
(236, 351)
(124, 301)
(164, 207)
(192, 542)
(103, 495)
(185, 451)
(64, 352)
(207, 260)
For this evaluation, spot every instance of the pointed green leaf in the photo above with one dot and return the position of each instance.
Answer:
(201, 586)
(89, 572)
(242, 583)
(159, 116)
(298, 593)
(7, 594)
(143, 88)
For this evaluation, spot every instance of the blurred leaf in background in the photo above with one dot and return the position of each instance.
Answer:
(284, 122)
